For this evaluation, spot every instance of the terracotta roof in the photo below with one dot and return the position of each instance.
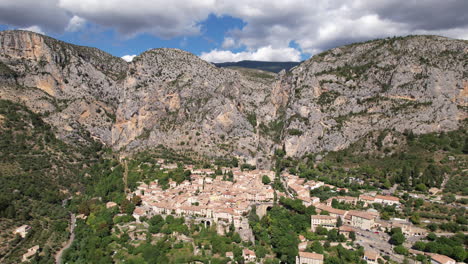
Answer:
(311, 255)
(346, 228)
(387, 197)
(371, 254)
(442, 259)
(361, 214)
(366, 197)
(247, 251)
(331, 210)
(139, 211)
(322, 217)
(349, 198)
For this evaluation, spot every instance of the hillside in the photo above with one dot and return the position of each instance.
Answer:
(173, 98)
(37, 172)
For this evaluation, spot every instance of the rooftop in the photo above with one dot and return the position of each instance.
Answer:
(371, 254)
(310, 255)
(442, 258)
(387, 197)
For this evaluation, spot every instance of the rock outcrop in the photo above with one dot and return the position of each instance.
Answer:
(173, 98)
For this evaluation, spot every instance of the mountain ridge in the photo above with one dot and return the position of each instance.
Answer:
(173, 98)
(271, 66)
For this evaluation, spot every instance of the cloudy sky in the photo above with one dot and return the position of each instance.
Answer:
(233, 30)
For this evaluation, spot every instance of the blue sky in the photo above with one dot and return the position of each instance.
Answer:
(212, 34)
(228, 30)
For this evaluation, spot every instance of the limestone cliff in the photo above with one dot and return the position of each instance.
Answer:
(173, 98)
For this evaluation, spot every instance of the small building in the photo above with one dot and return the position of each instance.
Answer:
(249, 255)
(332, 211)
(441, 259)
(138, 212)
(81, 216)
(366, 199)
(409, 229)
(314, 200)
(363, 220)
(309, 258)
(371, 257)
(387, 200)
(302, 238)
(302, 246)
(110, 204)
(31, 252)
(326, 221)
(342, 199)
(345, 230)
(434, 190)
(230, 255)
(22, 230)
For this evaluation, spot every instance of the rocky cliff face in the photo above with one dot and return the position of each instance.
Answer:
(416, 83)
(173, 98)
(76, 88)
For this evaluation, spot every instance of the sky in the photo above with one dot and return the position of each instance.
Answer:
(233, 30)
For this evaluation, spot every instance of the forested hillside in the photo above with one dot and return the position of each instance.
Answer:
(37, 172)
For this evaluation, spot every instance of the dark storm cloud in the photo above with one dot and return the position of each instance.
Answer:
(426, 14)
(25, 13)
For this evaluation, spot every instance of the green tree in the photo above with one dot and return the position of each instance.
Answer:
(415, 219)
(339, 222)
(266, 179)
(419, 245)
(401, 250)
(449, 198)
(421, 187)
(316, 247)
(397, 239)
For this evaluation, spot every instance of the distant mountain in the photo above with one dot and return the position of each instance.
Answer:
(271, 66)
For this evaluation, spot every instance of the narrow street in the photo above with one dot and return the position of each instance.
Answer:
(58, 257)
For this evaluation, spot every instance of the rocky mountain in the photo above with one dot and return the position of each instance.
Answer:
(173, 98)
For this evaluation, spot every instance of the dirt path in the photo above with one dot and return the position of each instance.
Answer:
(125, 177)
(58, 257)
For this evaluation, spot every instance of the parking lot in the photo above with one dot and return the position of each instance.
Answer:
(377, 242)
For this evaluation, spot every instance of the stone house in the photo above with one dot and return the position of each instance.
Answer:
(326, 221)
(309, 258)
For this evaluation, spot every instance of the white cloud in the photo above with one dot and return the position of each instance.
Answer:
(76, 23)
(322, 24)
(128, 58)
(313, 25)
(36, 29)
(162, 18)
(228, 43)
(262, 54)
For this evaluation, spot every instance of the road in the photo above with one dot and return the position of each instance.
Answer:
(286, 188)
(391, 190)
(58, 257)
(377, 242)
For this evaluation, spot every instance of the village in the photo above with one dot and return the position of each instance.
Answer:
(225, 201)
(214, 200)
(208, 199)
